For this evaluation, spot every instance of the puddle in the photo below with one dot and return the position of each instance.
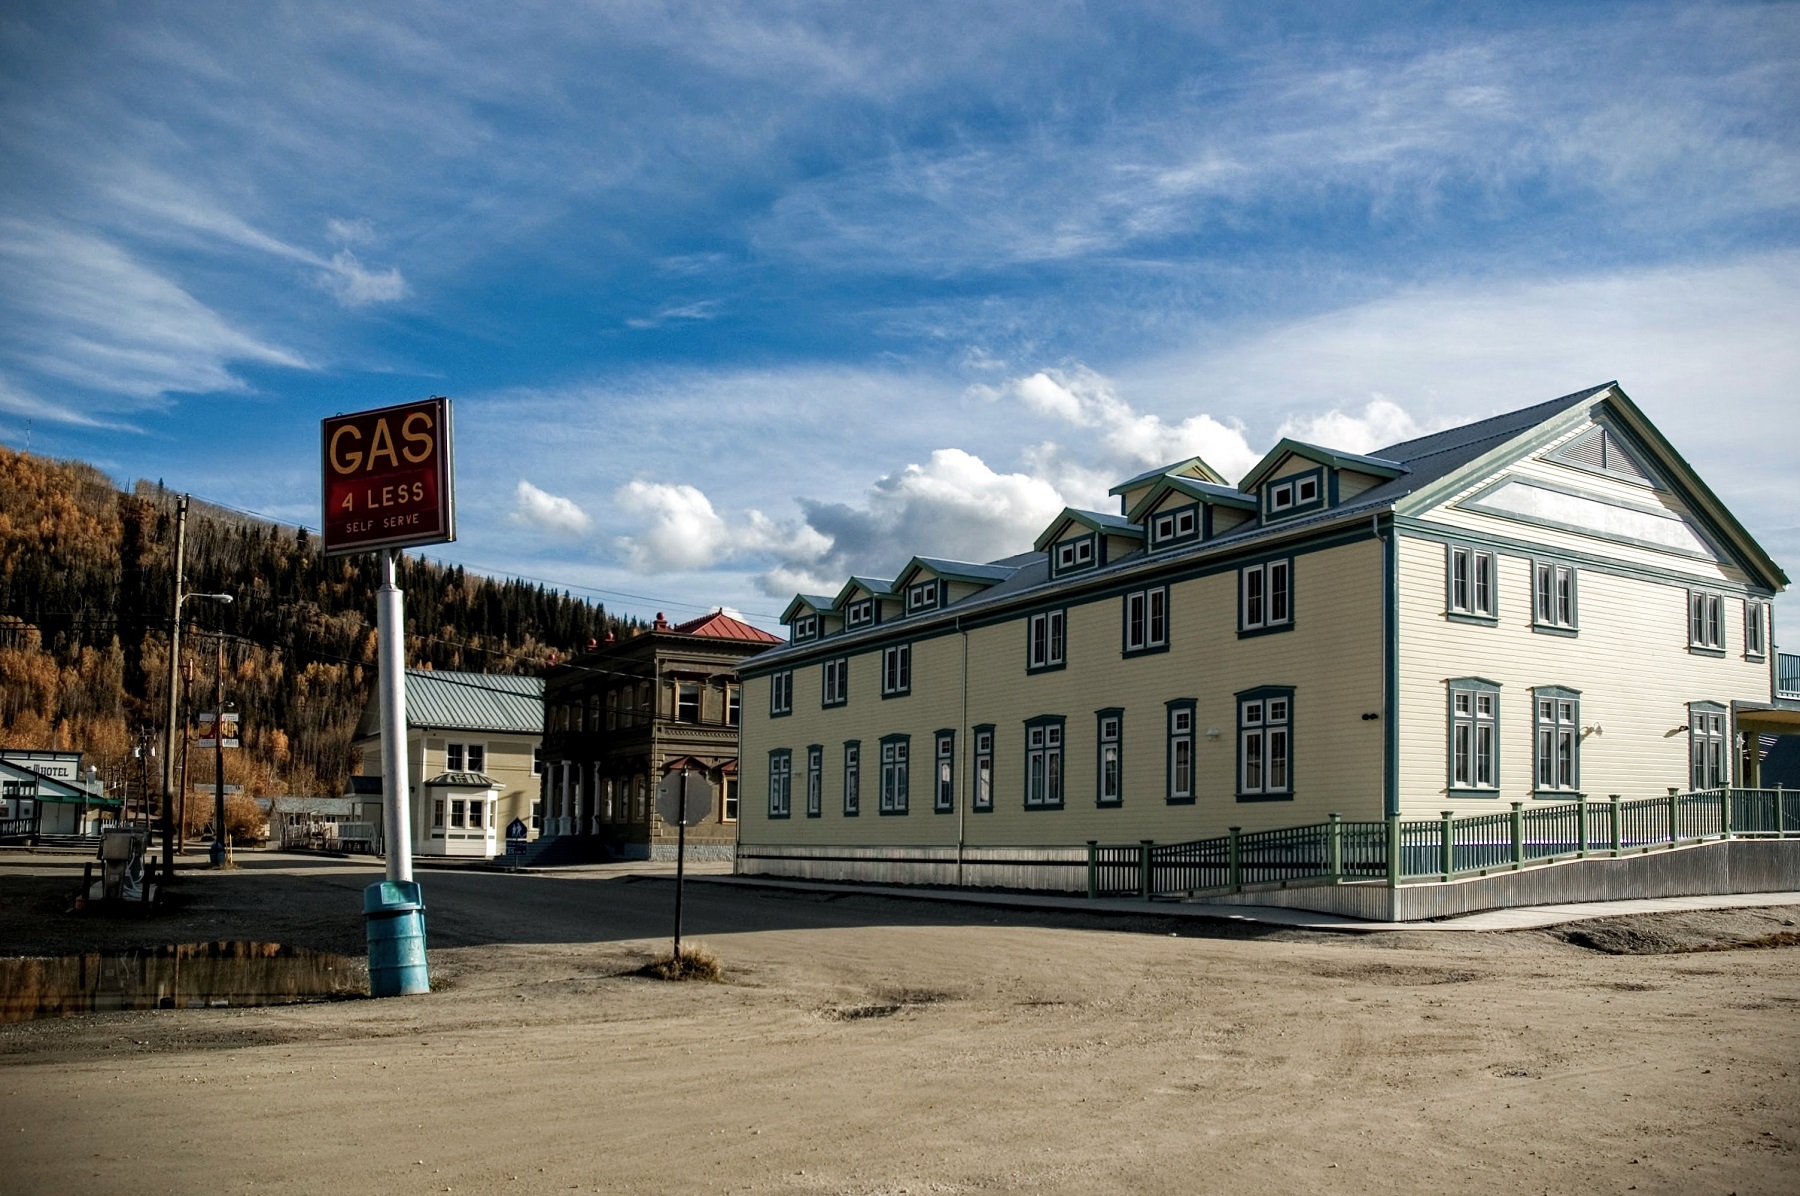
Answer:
(189, 976)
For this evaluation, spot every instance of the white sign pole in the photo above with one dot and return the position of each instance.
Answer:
(390, 624)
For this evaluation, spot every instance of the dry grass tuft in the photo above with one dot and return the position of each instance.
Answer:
(694, 963)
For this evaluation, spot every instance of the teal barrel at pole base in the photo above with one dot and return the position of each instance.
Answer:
(395, 911)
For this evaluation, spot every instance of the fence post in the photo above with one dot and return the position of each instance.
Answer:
(1674, 818)
(1093, 868)
(1234, 866)
(1447, 843)
(1144, 867)
(1581, 826)
(1615, 816)
(1518, 835)
(1780, 812)
(1393, 850)
(1334, 850)
(1725, 812)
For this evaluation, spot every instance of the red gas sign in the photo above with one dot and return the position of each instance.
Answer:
(388, 479)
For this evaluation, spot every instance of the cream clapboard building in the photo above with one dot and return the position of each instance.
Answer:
(1545, 603)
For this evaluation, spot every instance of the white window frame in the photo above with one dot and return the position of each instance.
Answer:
(781, 783)
(1281, 497)
(1045, 643)
(815, 781)
(852, 778)
(1180, 760)
(835, 682)
(1302, 486)
(1706, 621)
(1469, 584)
(1109, 777)
(1146, 619)
(1266, 596)
(895, 769)
(1555, 599)
(728, 799)
(1265, 746)
(1756, 629)
(781, 693)
(982, 796)
(944, 790)
(467, 751)
(922, 595)
(806, 627)
(1556, 739)
(859, 612)
(1709, 730)
(696, 690)
(896, 670)
(1044, 763)
(1075, 554)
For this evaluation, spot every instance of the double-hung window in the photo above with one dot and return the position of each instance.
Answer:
(1044, 641)
(1266, 597)
(733, 706)
(1181, 750)
(1553, 597)
(687, 702)
(893, 773)
(1474, 735)
(781, 782)
(852, 778)
(1470, 589)
(835, 685)
(982, 796)
(1756, 622)
(781, 693)
(1147, 620)
(1043, 762)
(465, 757)
(729, 804)
(1558, 732)
(943, 795)
(1708, 765)
(896, 671)
(1706, 621)
(815, 781)
(1108, 778)
(1265, 744)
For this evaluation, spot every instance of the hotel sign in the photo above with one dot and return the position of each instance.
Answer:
(388, 478)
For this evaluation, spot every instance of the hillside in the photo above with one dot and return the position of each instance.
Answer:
(85, 578)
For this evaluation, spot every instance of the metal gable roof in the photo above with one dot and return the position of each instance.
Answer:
(721, 626)
(474, 701)
(1095, 521)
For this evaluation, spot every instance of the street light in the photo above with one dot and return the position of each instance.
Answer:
(168, 817)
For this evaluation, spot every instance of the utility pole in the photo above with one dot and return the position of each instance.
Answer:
(396, 813)
(221, 838)
(168, 781)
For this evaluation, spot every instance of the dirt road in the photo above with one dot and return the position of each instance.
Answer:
(862, 1045)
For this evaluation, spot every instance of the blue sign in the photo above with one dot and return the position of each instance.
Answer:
(516, 830)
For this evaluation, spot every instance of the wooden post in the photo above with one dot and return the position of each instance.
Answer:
(1725, 812)
(1581, 826)
(1393, 850)
(1093, 868)
(1674, 819)
(1144, 846)
(1518, 835)
(1234, 865)
(1335, 850)
(1616, 816)
(1447, 843)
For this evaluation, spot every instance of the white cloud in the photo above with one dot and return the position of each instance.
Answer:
(355, 286)
(360, 231)
(1382, 422)
(683, 532)
(553, 513)
(706, 309)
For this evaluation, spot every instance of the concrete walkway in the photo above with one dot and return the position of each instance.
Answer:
(1525, 918)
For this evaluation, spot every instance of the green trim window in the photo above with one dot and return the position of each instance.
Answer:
(1044, 641)
(815, 781)
(1175, 525)
(1708, 766)
(1756, 623)
(1044, 762)
(806, 627)
(1295, 494)
(1147, 620)
(781, 693)
(1076, 553)
(1266, 597)
(943, 799)
(835, 686)
(1706, 622)
(923, 595)
(1558, 734)
(896, 671)
(1469, 583)
(982, 796)
(1474, 736)
(1109, 775)
(1181, 751)
(852, 777)
(1553, 601)
(781, 782)
(1266, 744)
(894, 780)
(860, 612)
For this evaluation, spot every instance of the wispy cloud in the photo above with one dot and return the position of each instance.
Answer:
(706, 309)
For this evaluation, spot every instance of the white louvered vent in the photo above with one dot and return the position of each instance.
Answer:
(1599, 449)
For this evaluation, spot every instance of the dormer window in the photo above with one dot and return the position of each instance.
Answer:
(860, 612)
(1074, 554)
(806, 627)
(1281, 498)
(1180, 524)
(921, 595)
(1295, 494)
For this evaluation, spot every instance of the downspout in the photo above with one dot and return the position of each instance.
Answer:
(962, 807)
(1390, 663)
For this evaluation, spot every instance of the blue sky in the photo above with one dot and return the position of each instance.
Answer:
(734, 299)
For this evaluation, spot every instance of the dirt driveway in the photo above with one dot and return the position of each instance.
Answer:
(863, 1045)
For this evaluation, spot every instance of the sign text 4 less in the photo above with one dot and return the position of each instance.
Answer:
(388, 477)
